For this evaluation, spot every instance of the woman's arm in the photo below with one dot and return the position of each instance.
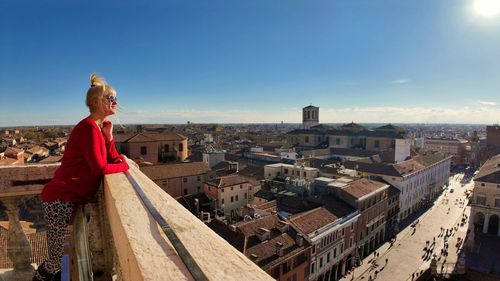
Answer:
(91, 149)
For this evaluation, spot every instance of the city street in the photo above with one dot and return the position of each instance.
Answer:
(412, 251)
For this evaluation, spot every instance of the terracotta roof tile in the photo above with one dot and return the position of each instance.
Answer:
(313, 220)
(362, 187)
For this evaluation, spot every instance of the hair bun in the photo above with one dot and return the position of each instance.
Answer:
(96, 80)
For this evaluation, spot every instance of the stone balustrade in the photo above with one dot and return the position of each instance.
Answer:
(17, 182)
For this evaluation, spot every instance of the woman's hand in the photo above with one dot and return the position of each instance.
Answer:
(107, 130)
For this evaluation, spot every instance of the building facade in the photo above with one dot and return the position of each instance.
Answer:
(180, 179)
(420, 180)
(153, 147)
(455, 147)
(485, 203)
(332, 236)
(272, 171)
(231, 192)
(370, 199)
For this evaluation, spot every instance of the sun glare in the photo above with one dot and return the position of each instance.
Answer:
(487, 8)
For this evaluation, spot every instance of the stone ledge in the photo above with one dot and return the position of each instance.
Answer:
(144, 252)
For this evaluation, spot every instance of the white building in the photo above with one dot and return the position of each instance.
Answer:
(420, 179)
(272, 171)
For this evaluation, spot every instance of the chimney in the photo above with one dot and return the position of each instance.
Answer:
(282, 226)
(299, 239)
(263, 234)
(279, 249)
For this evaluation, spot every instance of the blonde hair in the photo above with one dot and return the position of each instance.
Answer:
(97, 91)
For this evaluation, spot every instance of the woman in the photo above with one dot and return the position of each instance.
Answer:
(90, 153)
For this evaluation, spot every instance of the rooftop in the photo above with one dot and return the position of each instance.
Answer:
(363, 187)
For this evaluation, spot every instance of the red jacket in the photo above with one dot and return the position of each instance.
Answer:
(88, 156)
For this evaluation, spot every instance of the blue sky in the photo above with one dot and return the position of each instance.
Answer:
(251, 61)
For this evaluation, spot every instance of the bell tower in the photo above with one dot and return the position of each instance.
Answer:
(310, 116)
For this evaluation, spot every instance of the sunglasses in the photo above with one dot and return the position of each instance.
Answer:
(112, 99)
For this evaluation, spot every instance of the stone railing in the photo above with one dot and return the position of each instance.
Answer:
(142, 249)
(17, 184)
(124, 240)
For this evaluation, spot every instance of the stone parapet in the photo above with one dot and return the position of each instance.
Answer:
(143, 250)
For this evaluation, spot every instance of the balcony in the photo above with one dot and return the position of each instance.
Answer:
(121, 241)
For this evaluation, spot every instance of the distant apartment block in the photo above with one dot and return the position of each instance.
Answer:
(455, 147)
(353, 136)
(153, 147)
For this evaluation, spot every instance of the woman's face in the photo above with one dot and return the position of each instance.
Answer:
(108, 105)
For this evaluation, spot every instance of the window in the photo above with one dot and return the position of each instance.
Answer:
(481, 200)
(144, 150)
(245, 195)
(236, 198)
(482, 184)
(352, 226)
(232, 199)
(222, 190)
(335, 253)
(321, 262)
(232, 188)
(377, 144)
(185, 191)
(292, 278)
(313, 265)
(250, 188)
(286, 267)
(328, 258)
(166, 148)
(199, 189)
(341, 248)
(337, 141)
(305, 174)
(181, 147)
(164, 183)
(222, 201)
(497, 203)
(275, 273)
(285, 171)
(184, 180)
(198, 178)
(241, 186)
(306, 139)
(343, 231)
